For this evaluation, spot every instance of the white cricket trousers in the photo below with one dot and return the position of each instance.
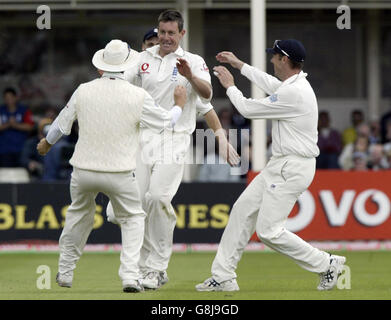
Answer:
(122, 189)
(159, 182)
(159, 177)
(264, 207)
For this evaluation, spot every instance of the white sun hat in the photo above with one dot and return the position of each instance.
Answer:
(117, 56)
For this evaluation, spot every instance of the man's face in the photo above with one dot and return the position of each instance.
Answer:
(169, 36)
(10, 99)
(324, 120)
(357, 118)
(150, 43)
(278, 62)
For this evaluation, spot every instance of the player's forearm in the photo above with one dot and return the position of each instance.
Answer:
(54, 133)
(203, 88)
(262, 80)
(212, 120)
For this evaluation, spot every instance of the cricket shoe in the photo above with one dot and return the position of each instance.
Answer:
(132, 286)
(211, 284)
(329, 278)
(163, 278)
(64, 279)
(151, 280)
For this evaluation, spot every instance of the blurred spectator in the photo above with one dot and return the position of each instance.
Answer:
(29, 91)
(360, 161)
(363, 130)
(225, 116)
(30, 158)
(387, 153)
(346, 159)
(386, 138)
(215, 168)
(238, 121)
(51, 113)
(329, 142)
(56, 163)
(385, 127)
(377, 158)
(349, 135)
(374, 135)
(15, 125)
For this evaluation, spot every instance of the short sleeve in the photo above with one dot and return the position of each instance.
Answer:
(203, 108)
(200, 69)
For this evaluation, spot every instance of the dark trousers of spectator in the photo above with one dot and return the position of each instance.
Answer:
(10, 160)
(327, 161)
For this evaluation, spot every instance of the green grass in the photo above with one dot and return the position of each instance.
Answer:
(263, 275)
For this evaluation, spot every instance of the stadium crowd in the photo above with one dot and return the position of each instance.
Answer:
(361, 146)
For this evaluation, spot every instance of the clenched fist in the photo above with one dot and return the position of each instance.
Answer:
(180, 95)
(43, 147)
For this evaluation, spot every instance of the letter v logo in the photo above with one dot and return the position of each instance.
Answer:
(337, 215)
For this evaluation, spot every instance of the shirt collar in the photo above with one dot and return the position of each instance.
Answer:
(155, 51)
(295, 77)
(118, 75)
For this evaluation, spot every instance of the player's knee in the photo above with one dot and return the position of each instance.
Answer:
(267, 234)
(157, 197)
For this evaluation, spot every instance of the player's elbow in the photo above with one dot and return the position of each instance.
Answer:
(206, 95)
(243, 111)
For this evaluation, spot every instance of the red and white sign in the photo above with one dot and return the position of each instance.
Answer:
(344, 206)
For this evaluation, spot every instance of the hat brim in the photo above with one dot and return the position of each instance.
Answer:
(131, 61)
(271, 51)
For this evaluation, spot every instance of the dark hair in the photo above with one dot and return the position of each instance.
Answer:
(171, 15)
(9, 90)
(296, 65)
(357, 111)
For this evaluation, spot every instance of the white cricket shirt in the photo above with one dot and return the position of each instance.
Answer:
(109, 111)
(292, 107)
(159, 76)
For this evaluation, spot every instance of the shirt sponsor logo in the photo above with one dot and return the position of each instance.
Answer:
(204, 67)
(144, 68)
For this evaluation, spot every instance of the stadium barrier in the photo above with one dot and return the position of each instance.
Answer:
(338, 206)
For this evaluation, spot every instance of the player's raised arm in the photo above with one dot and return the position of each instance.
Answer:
(201, 86)
(62, 125)
(262, 80)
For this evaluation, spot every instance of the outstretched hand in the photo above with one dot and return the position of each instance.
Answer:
(184, 68)
(229, 57)
(226, 150)
(225, 77)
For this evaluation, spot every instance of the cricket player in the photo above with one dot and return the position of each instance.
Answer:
(159, 70)
(265, 204)
(109, 111)
(150, 39)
